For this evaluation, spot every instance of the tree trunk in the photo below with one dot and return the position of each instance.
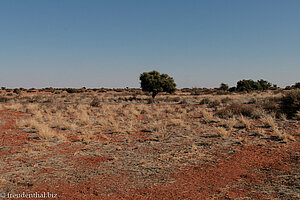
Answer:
(154, 95)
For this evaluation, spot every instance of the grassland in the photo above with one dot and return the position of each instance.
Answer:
(98, 144)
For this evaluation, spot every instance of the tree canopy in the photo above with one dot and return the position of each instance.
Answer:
(155, 82)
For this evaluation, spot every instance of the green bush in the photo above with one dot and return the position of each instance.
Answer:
(224, 87)
(250, 85)
(247, 86)
(265, 85)
(297, 85)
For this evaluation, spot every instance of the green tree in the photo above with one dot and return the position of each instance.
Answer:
(248, 86)
(297, 85)
(224, 87)
(155, 82)
(265, 85)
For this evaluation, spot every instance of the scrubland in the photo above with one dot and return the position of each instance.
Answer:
(114, 145)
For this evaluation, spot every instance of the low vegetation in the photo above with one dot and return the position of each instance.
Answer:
(87, 134)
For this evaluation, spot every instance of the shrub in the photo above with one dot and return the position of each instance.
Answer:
(48, 89)
(71, 90)
(214, 104)
(297, 85)
(223, 87)
(290, 103)
(155, 82)
(226, 100)
(17, 91)
(248, 86)
(3, 99)
(205, 101)
(265, 85)
(232, 89)
(237, 109)
(271, 104)
(288, 87)
(95, 103)
(196, 92)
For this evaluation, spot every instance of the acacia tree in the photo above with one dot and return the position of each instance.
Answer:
(155, 82)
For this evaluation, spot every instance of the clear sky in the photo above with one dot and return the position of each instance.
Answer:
(97, 43)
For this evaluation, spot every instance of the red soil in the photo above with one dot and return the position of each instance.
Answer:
(230, 176)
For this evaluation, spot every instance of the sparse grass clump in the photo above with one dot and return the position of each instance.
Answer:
(87, 137)
(268, 121)
(244, 122)
(283, 136)
(221, 131)
(95, 103)
(230, 123)
(207, 116)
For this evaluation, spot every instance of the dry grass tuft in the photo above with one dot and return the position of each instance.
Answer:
(260, 132)
(268, 121)
(87, 137)
(229, 123)
(160, 131)
(283, 136)
(83, 118)
(298, 115)
(45, 132)
(283, 116)
(27, 123)
(176, 122)
(207, 116)
(244, 122)
(220, 131)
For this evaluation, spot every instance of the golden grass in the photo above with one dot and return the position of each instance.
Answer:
(207, 116)
(284, 117)
(245, 122)
(83, 118)
(27, 123)
(44, 132)
(87, 137)
(31, 108)
(268, 121)
(221, 131)
(229, 123)
(283, 136)
(260, 132)
(176, 122)
(42, 129)
(298, 115)
(162, 120)
(160, 131)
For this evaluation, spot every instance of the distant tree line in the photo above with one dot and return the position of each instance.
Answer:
(251, 85)
(248, 86)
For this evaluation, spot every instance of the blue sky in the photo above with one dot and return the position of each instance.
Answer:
(95, 43)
